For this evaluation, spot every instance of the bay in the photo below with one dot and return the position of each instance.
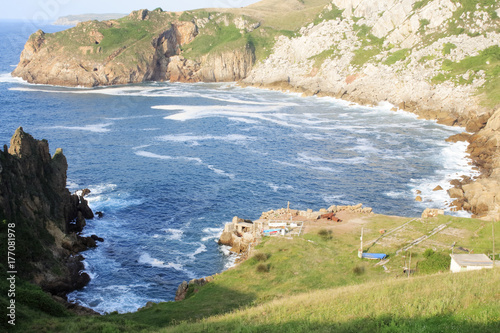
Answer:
(169, 164)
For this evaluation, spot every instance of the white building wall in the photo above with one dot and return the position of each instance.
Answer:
(455, 267)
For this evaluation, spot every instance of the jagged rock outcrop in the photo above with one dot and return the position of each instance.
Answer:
(34, 198)
(482, 196)
(183, 290)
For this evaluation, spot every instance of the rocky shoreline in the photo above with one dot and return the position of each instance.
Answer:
(477, 196)
(48, 219)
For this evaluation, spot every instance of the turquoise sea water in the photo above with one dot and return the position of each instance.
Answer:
(170, 164)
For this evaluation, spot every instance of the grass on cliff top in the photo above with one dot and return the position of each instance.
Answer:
(128, 35)
(319, 273)
(488, 61)
(283, 14)
(217, 38)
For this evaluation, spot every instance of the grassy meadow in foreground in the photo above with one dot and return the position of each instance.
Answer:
(316, 282)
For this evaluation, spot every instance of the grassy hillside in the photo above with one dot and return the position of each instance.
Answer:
(467, 302)
(282, 14)
(319, 276)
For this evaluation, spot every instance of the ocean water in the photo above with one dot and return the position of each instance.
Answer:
(169, 164)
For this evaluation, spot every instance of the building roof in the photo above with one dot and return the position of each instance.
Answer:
(472, 259)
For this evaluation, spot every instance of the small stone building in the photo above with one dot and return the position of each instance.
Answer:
(469, 262)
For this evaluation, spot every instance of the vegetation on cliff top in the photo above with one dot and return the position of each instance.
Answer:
(466, 70)
(313, 282)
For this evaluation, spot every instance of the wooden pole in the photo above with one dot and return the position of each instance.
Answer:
(493, 233)
(361, 247)
(409, 266)
(360, 251)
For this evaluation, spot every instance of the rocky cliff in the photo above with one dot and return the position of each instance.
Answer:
(144, 46)
(413, 47)
(436, 58)
(45, 216)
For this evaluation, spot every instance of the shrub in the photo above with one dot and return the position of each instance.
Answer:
(325, 234)
(434, 262)
(428, 253)
(262, 268)
(358, 270)
(261, 256)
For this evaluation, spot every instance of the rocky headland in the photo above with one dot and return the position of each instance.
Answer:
(436, 58)
(47, 218)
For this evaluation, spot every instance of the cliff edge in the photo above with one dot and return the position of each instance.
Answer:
(43, 215)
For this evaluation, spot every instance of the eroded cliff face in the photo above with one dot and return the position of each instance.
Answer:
(34, 197)
(96, 54)
(227, 66)
(394, 51)
(434, 58)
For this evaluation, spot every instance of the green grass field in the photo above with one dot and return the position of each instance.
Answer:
(316, 282)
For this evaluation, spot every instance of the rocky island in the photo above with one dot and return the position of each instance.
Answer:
(436, 58)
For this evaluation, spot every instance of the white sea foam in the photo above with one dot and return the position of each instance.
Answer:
(187, 112)
(187, 137)
(8, 78)
(397, 195)
(246, 102)
(276, 187)
(456, 164)
(309, 159)
(121, 298)
(332, 199)
(72, 185)
(243, 120)
(221, 172)
(230, 258)
(88, 270)
(167, 157)
(202, 248)
(104, 197)
(184, 158)
(211, 233)
(141, 147)
(326, 169)
(96, 128)
(102, 188)
(131, 117)
(146, 259)
(173, 234)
